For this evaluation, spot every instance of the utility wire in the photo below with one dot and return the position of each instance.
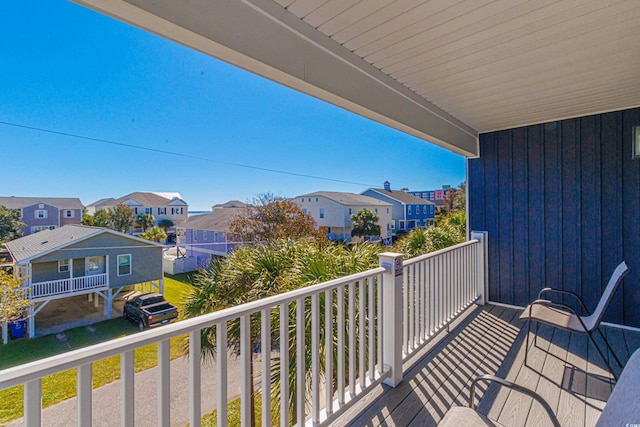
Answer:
(188, 156)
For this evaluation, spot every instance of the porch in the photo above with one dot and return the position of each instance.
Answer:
(564, 369)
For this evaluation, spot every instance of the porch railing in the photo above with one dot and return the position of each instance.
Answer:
(339, 339)
(63, 286)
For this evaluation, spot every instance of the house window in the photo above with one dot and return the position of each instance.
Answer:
(350, 211)
(41, 214)
(316, 199)
(387, 210)
(195, 236)
(147, 211)
(162, 211)
(321, 212)
(376, 209)
(204, 235)
(124, 265)
(135, 210)
(304, 210)
(424, 210)
(302, 200)
(68, 213)
(92, 264)
(63, 265)
(36, 228)
(409, 209)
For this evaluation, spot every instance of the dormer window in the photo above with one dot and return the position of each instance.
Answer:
(41, 214)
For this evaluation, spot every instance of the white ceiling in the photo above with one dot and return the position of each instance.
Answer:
(494, 64)
(442, 70)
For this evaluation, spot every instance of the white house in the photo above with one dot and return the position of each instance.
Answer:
(162, 205)
(334, 209)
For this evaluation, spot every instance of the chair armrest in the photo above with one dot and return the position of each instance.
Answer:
(560, 291)
(524, 390)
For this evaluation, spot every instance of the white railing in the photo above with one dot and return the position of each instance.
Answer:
(353, 333)
(437, 287)
(63, 286)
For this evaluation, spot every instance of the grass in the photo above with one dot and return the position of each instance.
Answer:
(62, 386)
(233, 418)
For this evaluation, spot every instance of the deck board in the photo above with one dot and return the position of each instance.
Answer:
(563, 368)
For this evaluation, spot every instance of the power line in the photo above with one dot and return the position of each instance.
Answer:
(185, 155)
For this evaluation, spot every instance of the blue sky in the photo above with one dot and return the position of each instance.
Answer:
(69, 69)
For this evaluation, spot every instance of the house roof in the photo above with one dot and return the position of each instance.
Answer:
(348, 199)
(401, 196)
(231, 204)
(101, 202)
(59, 202)
(34, 245)
(143, 198)
(218, 220)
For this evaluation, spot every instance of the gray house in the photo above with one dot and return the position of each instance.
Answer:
(409, 211)
(75, 260)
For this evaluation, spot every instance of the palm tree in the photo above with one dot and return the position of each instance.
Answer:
(165, 224)
(252, 273)
(145, 221)
(365, 224)
(155, 234)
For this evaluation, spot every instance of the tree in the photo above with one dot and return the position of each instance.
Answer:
(14, 299)
(102, 218)
(155, 234)
(254, 272)
(270, 218)
(450, 230)
(365, 224)
(121, 218)
(10, 224)
(145, 220)
(165, 224)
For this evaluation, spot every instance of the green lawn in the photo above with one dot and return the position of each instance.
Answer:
(56, 388)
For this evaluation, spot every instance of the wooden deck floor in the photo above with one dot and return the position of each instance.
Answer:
(564, 369)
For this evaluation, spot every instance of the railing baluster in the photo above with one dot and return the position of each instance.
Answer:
(221, 373)
(328, 349)
(405, 312)
(300, 365)
(371, 351)
(284, 364)
(245, 370)
(341, 349)
(315, 358)
(127, 389)
(33, 403)
(379, 317)
(423, 300)
(195, 379)
(352, 340)
(164, 384)
(84, 389)
(265, 352)
(361, 331)
(411, 308)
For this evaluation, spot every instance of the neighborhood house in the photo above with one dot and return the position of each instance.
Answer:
(45, 213)
(162, 205)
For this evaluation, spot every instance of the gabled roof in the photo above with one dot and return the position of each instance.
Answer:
(101, 202)
(58, 202)
(402, 197)
(41, 243)
(231, 204)
(218, 220)
(144, 199)
(347, 199)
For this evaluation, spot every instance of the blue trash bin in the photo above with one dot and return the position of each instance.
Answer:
(17, 328)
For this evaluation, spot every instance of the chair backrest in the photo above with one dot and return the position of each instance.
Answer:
(617, 276)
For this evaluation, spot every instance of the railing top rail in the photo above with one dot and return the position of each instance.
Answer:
(51, 365)
(68, 278)
(440, 252)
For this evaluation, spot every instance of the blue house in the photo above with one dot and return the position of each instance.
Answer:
(409, 211)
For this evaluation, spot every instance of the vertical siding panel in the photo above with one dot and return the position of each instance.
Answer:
(476, 187)
(553, 209)
(505, 215)
(520, 217)
(590, 202)
(535, 173)
(571, 209)
(631, 219)
(611, 206)
(490, 145)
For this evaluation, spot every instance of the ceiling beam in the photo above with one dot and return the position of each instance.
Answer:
(262, 37)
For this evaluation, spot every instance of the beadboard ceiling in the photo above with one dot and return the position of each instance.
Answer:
(443, 70)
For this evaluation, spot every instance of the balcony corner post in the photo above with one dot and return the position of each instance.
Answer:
(482, 269)
(392, 315)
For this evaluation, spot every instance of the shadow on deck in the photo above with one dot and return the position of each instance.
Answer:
(564, 369)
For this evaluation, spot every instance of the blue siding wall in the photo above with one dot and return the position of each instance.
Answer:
(561, 203)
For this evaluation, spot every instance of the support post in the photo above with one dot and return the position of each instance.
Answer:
(109, 306)
(5, 333)
(31, 322)
(96, 300)
(482, 269)
(392, 315)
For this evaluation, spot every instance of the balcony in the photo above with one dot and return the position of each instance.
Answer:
(404, 341)
(63, 287)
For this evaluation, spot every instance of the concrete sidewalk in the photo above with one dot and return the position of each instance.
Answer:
(106, 399)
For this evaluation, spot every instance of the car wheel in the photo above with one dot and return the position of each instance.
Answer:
(141, 325)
